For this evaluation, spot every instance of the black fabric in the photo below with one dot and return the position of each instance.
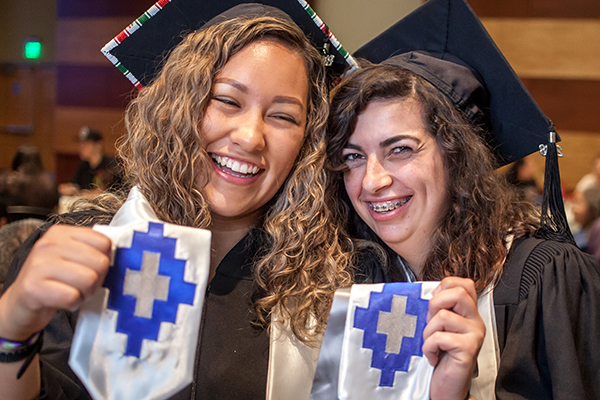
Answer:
(104, 176)
(553, 342)
(232, 359)
(507, 293)
(142, 52)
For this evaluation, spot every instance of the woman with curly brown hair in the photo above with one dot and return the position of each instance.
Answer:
(228, 137)
(414, 143)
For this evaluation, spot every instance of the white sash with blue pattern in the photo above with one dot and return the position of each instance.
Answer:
(135, 338)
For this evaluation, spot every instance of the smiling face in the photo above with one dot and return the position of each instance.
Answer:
(254, 127)
(396, 179)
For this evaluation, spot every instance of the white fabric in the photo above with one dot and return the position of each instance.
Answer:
(488, 360)
(165, 366)
(325, 382)
(292, 363)
(358, 379)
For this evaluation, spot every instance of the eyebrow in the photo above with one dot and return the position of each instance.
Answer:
(232, 82)
(244, 89)
(385, 143)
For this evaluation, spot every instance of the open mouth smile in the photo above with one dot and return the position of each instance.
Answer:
(388, 205)
(235, 168)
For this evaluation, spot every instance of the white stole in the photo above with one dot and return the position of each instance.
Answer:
(138, 342)
(292, 364)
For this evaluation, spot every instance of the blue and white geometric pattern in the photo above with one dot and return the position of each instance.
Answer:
(393, 326)
(151, 245)
(136, 337)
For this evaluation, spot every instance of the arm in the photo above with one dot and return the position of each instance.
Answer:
(453, 336)
(64, 267)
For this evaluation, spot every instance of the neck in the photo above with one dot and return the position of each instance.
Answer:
(416, 265)
(226, 233)
(94, 160)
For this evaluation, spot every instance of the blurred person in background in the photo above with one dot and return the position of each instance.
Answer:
(591, 179)
(28, 195)
(586, 210)
(96, 171)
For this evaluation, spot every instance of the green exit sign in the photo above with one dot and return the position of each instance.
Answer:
(32, 49)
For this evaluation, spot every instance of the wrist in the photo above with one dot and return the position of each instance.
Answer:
(12, 326)
(15, 346)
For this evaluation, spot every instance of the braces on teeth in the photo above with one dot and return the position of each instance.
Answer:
(389, 206)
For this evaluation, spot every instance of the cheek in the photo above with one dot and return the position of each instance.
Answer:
(351, 183)
(206, 128)
(287, 149)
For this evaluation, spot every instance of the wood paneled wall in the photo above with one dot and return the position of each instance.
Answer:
(89, 89)
(554, 46)
(26, 111)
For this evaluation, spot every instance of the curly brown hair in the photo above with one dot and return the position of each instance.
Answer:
(471, 239)
(307, 257)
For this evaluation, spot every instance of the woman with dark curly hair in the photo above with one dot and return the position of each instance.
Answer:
(414, 144)
(228, 137)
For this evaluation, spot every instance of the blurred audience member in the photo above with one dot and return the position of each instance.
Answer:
(522, 176)
(96, 171)
(586, 210)
(592, 179)
(12, 236)
(3, 212)
(593, 246)
(28, 191)
(28, 196)
(27, 159)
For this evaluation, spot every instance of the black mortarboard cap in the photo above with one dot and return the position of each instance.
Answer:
(89, 134)
(139, 49)
(444, 42)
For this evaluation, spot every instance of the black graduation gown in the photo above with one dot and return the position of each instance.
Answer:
(551, 337)
(232, 359)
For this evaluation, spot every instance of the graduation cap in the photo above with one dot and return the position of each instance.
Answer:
(140, 48)
(445, 43)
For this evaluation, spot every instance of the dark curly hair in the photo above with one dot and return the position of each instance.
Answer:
(471, 239)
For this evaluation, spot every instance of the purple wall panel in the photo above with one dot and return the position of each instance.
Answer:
(102, 8)
(92, 86)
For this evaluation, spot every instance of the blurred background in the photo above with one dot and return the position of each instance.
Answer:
(554, 46)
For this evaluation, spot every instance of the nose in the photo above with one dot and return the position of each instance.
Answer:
(376, 176)
(249, 133)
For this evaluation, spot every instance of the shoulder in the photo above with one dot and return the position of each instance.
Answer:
(549, 262)
(370, 267)
(81, 218)
(108, 161)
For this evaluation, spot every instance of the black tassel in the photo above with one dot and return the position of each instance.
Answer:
(553, 223)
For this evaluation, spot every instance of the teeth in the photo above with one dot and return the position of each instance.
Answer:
(235, 166)
(388, 206)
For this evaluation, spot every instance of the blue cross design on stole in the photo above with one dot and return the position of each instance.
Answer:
(146, 286)
(393, 326)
